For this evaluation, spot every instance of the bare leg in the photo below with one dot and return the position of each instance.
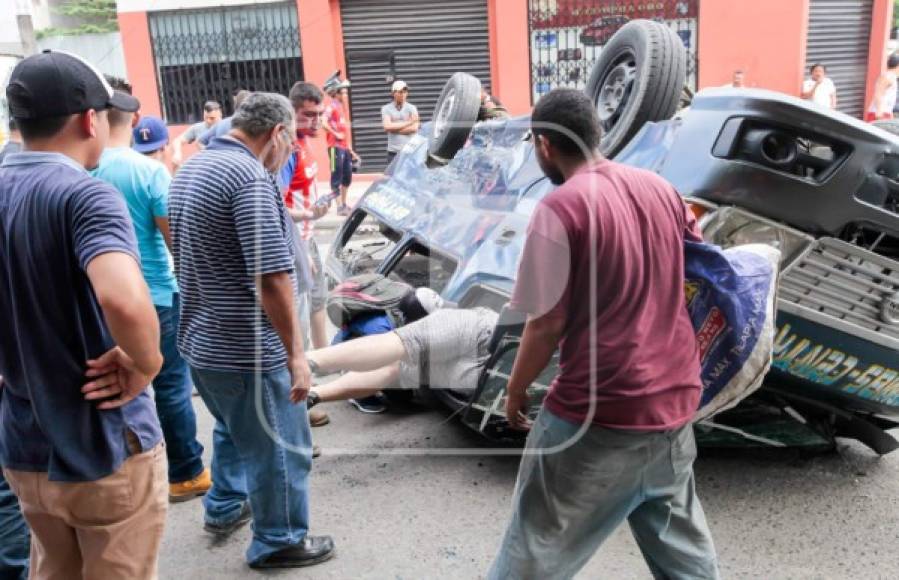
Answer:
(343, 192)
(368, 353)
(358, 385)
(319, 325)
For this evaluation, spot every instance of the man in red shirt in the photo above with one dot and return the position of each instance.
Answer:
(302, 200)
(337, 133)
(602, 278)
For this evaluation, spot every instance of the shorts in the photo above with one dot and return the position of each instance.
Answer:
(447, 350)
(318, 292)
(341, 168)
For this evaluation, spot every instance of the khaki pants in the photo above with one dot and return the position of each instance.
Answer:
(105, 529)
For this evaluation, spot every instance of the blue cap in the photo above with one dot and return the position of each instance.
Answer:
(150, 135)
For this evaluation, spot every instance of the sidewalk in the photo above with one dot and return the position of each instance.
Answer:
(332, 221)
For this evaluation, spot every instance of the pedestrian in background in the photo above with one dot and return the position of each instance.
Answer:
(884, 100)
(400, 119)
(738, 80)
(223, 127)
(14, 143)
(340, 154)
(819, 88)
(79, 439)
(301, 198)
(602, 278)
(144, 181)
(240, 333)
(212, 114)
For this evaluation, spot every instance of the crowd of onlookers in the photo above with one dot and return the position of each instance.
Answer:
(821, 90)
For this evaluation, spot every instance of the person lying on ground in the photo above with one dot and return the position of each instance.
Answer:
(446, 349)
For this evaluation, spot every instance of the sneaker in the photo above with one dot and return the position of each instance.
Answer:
(243, 517)
(187, 490)
(318, 418)
(312, 550)
(313, 399)
(371, 405)
(343, 211)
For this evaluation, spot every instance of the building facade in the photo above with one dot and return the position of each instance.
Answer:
(180, 53)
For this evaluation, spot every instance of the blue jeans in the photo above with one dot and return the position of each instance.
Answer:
(262, 452)
(172, 391)
(568, 501)
(15, 540)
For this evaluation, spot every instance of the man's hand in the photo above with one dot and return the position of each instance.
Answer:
(116, 380)
(354, 156)
(300, 379)
(517, 411)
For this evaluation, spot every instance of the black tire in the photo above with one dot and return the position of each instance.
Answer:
(888, 125)
(454, 116)
(638, 78)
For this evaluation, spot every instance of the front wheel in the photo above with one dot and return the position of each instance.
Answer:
(638, 78)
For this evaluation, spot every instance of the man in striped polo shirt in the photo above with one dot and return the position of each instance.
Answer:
(241, 336)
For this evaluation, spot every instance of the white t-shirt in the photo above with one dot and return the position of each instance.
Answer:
(823, 93)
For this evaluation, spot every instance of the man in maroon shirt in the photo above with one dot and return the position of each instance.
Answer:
(602, 278)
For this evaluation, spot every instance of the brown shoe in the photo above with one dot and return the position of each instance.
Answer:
(318, 418)
(187, 490)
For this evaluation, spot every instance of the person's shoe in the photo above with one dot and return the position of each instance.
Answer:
(371, 405)
(187, 490)
(318, 418)
(343, 211)
(312, 550)
(313, 399)
(226, 529)
(316, 451)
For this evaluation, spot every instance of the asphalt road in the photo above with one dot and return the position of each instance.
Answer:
(773, 513)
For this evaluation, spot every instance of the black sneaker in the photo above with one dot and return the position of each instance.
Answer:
(372, 405)
(312, 550)
(226, 529)
(312, 399)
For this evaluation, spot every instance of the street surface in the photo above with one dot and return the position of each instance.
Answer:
(773, 513)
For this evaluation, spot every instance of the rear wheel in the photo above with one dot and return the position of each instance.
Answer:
(638, 78)
(454, 116)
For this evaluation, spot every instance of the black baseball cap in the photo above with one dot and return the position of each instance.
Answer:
(54, 84)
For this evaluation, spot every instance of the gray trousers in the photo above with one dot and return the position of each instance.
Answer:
(568, 501)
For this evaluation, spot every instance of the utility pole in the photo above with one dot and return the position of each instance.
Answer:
(26, 27)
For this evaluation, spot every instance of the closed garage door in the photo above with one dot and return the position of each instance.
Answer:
(422, 43)
(838, 37)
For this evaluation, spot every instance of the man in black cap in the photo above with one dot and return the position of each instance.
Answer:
(80, 443)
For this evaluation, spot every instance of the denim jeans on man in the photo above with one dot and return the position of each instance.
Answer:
(15, 539)
(172, 390)
(575, 493)
(262, 453)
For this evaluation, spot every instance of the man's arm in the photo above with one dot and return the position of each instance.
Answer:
(412, 126)
(810, 94)
(538, 343)
(277, 297)
(125, 301)
(162, 223)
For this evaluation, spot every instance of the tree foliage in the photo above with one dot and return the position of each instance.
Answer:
(94, 17)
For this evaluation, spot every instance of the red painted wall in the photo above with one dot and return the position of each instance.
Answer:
(321, 43)
(510, 61)
(881, 22)
(765, 38)
(139, 60)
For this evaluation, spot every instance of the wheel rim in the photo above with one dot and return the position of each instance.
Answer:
(443, 115)
(615, 91)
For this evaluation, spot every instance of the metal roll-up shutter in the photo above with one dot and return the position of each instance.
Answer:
(422, 43)
(839, 33)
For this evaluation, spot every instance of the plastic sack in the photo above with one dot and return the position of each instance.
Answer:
(731, 299)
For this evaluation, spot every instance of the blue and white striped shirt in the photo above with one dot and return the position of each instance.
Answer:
(229, 225)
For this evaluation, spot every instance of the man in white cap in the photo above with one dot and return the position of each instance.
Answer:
(400, 119)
